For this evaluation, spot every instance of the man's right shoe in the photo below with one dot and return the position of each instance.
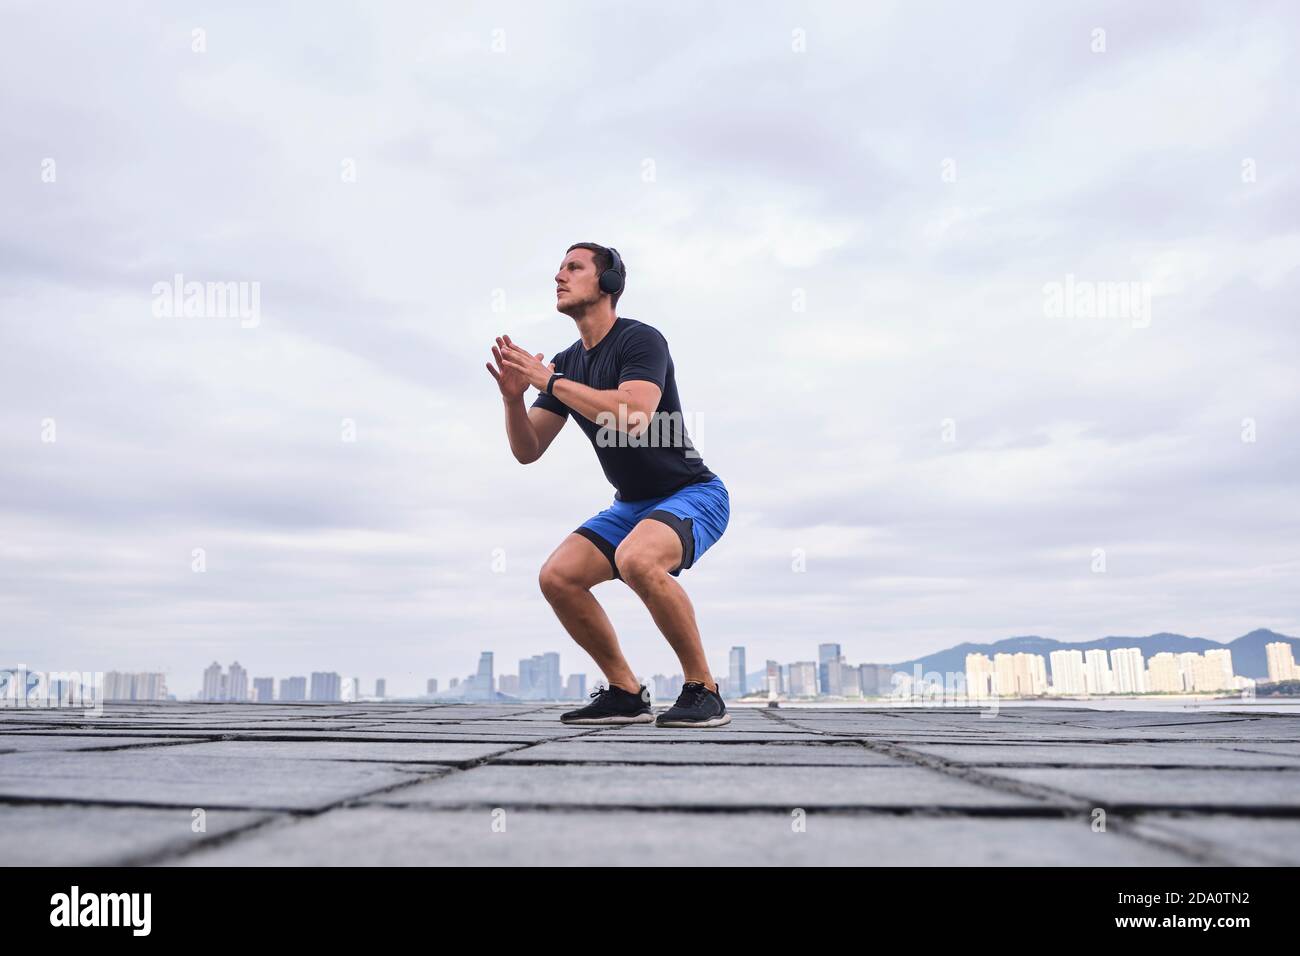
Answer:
(613, 705)
(696, 706)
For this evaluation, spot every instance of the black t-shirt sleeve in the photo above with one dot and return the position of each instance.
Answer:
(644, 357)
(550, 402)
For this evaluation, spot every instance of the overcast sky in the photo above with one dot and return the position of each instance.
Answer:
(843, 217)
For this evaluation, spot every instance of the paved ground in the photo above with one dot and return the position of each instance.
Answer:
(215, 784)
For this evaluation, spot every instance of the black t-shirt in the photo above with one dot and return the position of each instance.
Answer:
(659, 461)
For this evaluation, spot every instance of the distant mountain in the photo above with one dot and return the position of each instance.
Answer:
(1249, 659)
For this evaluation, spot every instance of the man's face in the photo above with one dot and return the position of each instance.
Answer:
(577, 284)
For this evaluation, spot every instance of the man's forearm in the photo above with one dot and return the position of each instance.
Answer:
(519, 430)
(591, 402)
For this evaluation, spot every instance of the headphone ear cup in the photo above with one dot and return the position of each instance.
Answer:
(610, 282)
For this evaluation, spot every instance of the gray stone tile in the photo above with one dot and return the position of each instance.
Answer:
(1276, 748)
(645, 733)
(707, 786)
(1189, 754)
(481, 730)
(1242, 840)
(371, 750)
(1167, 788)
(386, 836)
(78, 835)
(590, 749)
(10, 743)
(154, 777)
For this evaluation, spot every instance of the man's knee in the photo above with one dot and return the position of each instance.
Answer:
(557, 582)
(635, 565)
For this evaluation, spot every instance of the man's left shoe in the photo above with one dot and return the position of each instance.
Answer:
(696, 706)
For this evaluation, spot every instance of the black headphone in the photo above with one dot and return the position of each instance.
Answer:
(611, 280)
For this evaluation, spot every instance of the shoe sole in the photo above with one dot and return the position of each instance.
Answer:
(711, 722)
(614, 719)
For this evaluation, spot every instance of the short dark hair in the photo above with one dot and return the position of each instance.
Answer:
(603, 259)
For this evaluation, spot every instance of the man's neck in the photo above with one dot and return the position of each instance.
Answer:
(594, 326)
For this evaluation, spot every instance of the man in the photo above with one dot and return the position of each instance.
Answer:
(618, 382)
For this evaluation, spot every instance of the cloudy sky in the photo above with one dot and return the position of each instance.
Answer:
(844, 217)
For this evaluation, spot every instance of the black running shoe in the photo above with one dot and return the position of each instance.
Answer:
(613, 705)
(696, 706)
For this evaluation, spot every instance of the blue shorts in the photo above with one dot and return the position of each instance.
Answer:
(698, 513)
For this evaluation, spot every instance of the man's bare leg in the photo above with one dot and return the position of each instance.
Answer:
(566, 579)
(644, 559)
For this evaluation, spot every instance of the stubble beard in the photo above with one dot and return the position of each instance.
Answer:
(577, 310)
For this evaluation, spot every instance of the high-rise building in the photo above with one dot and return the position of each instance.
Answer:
(1019, 675)
(850, 679)
(1067, 672)
(539, 677)
(431, 687)
(326, 686)
(553, 681)
(1097, 676)
(481, 685)
(1165, 674)
(803, 679)
(1281, 661)
(129, 686)
(213, 682)
(825, 654)
(1220, 662)
(263, 689)
(293, 688)
(1129, 670)
(381, 687)
(773, 685)
(876, 680)
(736, 673)
(576, 688)
(663, 688)
(237, 687)
(979, 676)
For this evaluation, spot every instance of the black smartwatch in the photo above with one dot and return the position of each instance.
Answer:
(550, 383)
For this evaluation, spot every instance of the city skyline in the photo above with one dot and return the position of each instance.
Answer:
(1064, 670)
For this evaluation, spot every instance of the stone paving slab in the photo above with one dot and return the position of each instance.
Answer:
(602, 750)
(414, 783)
(1227, 789)
(1181, 754)
(154, 777)
(1246, 842)
(483, 730)
(407, 751)
(388, 836)
(81, 835)
(12, 743)
(703, 786)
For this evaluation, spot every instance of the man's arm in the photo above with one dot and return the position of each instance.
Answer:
(630, 406)
(530, 430)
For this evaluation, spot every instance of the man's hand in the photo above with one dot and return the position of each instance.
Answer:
(511, 379)
(519, 362)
